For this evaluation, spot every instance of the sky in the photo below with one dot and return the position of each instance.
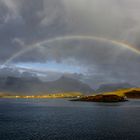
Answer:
(52, 66)
(27, 23)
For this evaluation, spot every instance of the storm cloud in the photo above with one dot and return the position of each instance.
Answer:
(26, 22)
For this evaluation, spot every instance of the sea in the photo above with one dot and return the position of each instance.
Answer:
(61, 119)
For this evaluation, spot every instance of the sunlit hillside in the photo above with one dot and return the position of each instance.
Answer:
(45, 95)
(125, 92)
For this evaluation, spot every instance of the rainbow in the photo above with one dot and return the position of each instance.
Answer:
(62, 38)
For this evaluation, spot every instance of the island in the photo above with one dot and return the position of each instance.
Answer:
(120, 95)
(102, 98)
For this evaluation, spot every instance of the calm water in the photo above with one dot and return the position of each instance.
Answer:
(57, 119)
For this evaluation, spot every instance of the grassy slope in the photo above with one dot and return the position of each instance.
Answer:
(57, 95)
(122, 92)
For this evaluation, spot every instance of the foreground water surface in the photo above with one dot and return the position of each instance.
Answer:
(58, 119)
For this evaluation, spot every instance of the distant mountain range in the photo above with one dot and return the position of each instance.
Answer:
(113, 87)
(24, 81)
(33, 85)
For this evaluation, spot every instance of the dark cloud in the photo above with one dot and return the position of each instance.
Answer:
(27, 22)
(103, 61)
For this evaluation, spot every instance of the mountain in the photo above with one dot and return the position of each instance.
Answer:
(32, 85)
(113, 87)
(69, 84)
